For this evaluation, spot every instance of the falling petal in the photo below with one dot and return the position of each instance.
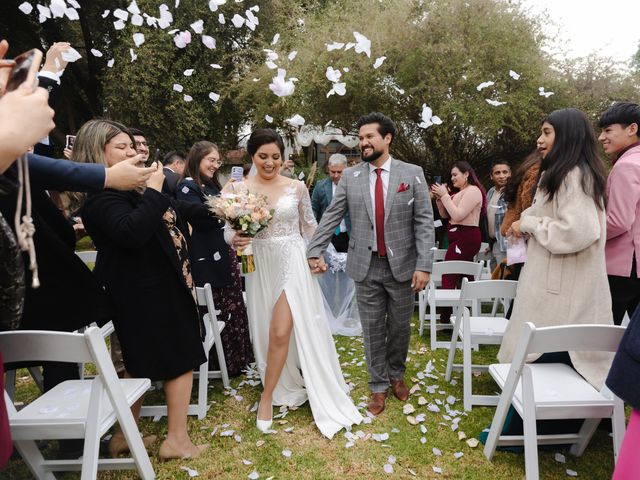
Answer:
(26, 8)
(379, 61)
(71, 55)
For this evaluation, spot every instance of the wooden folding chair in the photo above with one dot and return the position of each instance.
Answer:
(545, 391)
(479, 330)
(213, 327)
(434, 297)
(75, 408)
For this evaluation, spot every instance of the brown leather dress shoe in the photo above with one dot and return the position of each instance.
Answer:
(377, 402)
(400, 390)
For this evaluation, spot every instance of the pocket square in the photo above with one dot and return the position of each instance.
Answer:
(403, 187)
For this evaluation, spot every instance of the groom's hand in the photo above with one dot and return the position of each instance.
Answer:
(419, 280)
(317, 265)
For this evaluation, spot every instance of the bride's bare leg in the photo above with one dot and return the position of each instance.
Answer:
(279, 335)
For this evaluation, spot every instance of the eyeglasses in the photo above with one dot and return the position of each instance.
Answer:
(139, 144)
(217, 161)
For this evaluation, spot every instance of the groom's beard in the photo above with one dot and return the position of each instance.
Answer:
(373, 157)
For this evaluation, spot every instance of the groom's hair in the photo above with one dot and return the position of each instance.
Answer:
(385, 124)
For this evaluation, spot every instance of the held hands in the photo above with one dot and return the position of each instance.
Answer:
(5, 66)
(439, 190)
(156, 179)
(514, 230)
(55, 52)
(128, 175)
(419, 280)
(240, 241)
(317, 265)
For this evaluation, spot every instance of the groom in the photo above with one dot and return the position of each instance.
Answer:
(389, 255)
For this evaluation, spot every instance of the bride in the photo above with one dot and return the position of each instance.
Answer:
(293, 346)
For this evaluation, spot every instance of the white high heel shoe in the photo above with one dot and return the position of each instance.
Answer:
(264, 425)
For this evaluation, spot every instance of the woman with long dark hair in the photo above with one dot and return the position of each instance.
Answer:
(463, 209)
(564, 279)
(211, 258)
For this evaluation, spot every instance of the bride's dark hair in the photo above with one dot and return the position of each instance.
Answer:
(264, 136)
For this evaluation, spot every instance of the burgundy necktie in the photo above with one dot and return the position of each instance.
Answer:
(379, 196)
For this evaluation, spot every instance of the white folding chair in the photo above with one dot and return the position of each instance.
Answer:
(438, 297)
(213, 327)
(479, 330)
(75, 408)
(545, 391)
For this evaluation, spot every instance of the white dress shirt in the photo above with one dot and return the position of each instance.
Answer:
(373, 176)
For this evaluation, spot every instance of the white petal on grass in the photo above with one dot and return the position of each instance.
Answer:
(192, 473)
(363, 44)
(484, 85)
(197, 26)
(388, 468)
(133, 8)
(560, 458)
(177, 87)
(423, 440)
(96, 53)
(286, 453)
(458, 455)
(25, 8)
(134, 55)
(391, 460)
(334, 46)
(436, 451)
(572, 473)
(209, 41)
(270, 65)
(214, 96)
(333, 75)
(473, 442)
(111, 62)
(71, 14)
(268, 118)
(121, 14)
(137, 20)
(237, 21)
(276, 37)
(187, 98)
(214, 4)
(436, 469)
(408, 408)
(253, 475)
(221, 19)
(216, 66)
(105, 14)
(188, 72)
(292, 55)
(543, 93)
(495, 103)
(247, 462)
(514, 75)
(379, 61)
(340, 88)
(138, 39)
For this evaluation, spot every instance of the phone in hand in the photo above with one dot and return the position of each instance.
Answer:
(236, 174)
(437, 179)
(70, 140)
(25, 69)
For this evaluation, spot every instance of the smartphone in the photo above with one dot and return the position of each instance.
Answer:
(70, 140)
(25, 69)
(437, 179)
(236, 174)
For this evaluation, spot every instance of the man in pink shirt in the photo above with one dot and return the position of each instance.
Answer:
(621, 140)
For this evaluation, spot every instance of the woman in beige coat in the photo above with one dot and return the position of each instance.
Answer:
(564, 280)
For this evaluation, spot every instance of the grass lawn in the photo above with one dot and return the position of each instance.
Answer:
(237, 449)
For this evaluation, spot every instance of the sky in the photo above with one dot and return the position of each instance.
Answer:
(607, 27)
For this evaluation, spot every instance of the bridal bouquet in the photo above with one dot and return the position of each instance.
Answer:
(247, 213)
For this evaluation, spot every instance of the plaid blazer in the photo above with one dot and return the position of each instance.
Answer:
(408, 223)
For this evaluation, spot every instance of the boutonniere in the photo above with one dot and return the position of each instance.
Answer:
(403, 187)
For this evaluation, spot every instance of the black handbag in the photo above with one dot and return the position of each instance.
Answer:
(12, 288)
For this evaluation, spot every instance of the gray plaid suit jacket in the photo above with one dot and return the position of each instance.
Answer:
(408, 226)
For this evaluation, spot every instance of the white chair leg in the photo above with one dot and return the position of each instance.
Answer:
(91, 449)
(466, 370)
(203, 383)
(422, 310)
(618, 427)
(529, 427)
(584, 435)
(33, 458)
(432, 326)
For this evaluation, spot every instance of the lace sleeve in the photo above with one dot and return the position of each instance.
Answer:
(308, 222)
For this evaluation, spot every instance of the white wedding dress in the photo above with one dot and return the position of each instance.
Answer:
(312, 370)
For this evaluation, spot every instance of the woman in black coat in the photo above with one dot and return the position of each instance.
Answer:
(143, 264)
(212, 259)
